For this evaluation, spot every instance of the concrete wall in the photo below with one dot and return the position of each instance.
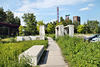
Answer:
(26, 38)
(60, 30)
(42, 32)
(71, 30)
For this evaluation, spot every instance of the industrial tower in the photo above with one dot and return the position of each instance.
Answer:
(58, 14)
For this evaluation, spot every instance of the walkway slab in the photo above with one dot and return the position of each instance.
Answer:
(54, 57)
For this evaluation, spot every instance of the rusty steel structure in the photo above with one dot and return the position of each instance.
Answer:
(58, 14)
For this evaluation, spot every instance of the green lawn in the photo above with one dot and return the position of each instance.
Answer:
(9, 52)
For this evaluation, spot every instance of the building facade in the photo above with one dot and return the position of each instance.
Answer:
(76, 18)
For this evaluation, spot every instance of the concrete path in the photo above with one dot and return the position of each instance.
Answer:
(54, 57)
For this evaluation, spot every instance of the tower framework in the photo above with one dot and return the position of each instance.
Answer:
(58, 14)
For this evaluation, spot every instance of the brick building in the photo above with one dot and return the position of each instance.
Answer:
(76, 18)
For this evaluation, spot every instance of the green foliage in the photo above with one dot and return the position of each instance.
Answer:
(51, 35)
(3, 15)
(99, 27)
(50, 28)
(12, 40)
(76, 23)
(21, 31)
(9, 52)
(31, 23)
(78, 53)
(58, 23)
(38, 25)
(80, 29)
(8, 40)
(61, 19)
(92, 27)
(17, 20)
(67, 22)
(10, 17)
(0, 38)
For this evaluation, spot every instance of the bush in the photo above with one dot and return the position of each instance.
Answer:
(9, 52)
(12, 40)
(78, 53)
(0, 38)
(51, 35)
(8, 40)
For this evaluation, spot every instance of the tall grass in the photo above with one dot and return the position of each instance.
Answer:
(78, 53)
(9, 52)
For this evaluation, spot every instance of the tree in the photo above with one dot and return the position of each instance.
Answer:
(76, 23)
(80, 29)
(67, 22)
(61, 19)
(3, 15)
(31, 23)
(10, 17)
(17, 20)
(38, 25)
(50, 28)
(21, 30)
(87, 29)
(99, 27)
(58, 23)
(54, 25)
(93, 26)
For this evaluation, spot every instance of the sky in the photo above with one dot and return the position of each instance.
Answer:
(46, 10)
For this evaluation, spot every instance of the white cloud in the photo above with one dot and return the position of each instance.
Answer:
(18, 14)
(53, 20)
(31, 7)
(90, 5)
(28, 6)
(86, 8)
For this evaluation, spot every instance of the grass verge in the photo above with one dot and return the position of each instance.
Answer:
(78, 53)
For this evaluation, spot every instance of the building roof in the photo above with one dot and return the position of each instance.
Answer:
(76, 16)
(8, 25)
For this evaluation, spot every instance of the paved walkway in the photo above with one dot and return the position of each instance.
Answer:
(54, 57)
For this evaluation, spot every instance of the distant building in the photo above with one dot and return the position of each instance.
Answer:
(8, 29)
(67, 17)
(76, 18)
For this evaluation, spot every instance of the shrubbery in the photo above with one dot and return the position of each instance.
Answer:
(9, 52)
(51, 35)
(78, 53)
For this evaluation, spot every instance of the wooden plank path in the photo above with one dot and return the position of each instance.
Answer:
(54, 56)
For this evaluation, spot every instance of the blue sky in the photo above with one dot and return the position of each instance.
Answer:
(46, 9)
